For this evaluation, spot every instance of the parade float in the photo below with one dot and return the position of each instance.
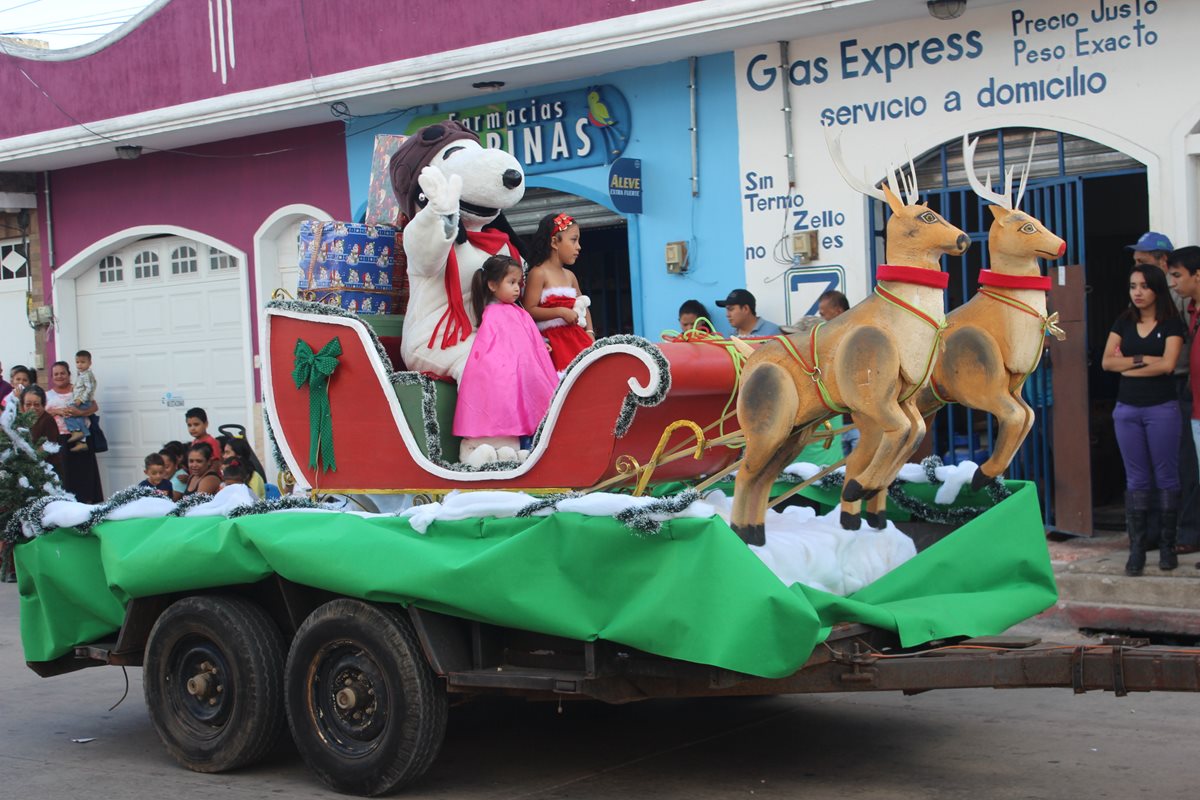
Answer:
(604, 566)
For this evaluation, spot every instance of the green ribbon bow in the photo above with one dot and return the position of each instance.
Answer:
(315, 370)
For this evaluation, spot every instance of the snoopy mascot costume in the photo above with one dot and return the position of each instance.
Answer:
(452, 192)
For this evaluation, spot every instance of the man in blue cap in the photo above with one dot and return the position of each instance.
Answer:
(1154, 249)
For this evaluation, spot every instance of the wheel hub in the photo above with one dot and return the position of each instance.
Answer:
(349, 694)
(199, 679)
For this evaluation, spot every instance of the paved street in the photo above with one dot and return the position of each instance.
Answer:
(982, 743)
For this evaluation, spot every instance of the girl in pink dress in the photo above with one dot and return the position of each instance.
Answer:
(508, 379)
(551, 289)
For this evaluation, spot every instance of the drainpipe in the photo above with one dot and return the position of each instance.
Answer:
(49, 220)
(786, 82)
(51, 343)
(692, 129)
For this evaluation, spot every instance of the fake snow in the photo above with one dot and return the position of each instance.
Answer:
(801, 547)
(816, 551)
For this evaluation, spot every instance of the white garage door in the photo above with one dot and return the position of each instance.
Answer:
(162, 315)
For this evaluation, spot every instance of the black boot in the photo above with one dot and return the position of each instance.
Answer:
(1168, 511)
(1137, 503)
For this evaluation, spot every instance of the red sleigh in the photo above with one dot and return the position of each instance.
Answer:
(621, 406)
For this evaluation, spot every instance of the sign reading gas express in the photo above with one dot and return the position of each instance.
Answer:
(582, 128)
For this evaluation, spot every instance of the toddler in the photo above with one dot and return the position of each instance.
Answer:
(84, 391)
(156, 475)
(508, 379)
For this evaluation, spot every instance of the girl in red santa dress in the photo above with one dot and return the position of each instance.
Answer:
(552, 295)
(508, 379)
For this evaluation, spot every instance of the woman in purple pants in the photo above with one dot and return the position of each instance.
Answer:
(1143, 346)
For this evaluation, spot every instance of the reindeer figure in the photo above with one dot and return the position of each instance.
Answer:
(995, 340)
(868, 361)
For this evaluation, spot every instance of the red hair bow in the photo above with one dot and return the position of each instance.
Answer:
(562, 222)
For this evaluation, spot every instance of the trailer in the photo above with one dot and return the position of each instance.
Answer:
(353, 632)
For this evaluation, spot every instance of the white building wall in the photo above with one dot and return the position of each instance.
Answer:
(1113, 72)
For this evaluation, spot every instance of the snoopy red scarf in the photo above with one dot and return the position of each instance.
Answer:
(458, 324)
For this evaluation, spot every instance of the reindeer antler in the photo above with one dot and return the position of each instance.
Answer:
(834, 144)
(985, 191)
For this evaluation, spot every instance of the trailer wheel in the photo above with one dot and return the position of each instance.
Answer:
(365, 709)
(213, 681)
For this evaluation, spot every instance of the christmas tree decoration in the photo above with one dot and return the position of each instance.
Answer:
(25, 475)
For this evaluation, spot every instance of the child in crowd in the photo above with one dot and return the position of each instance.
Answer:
(237, 473)
(202, 472)
(551, 289)
(174, 456)
(236, 447)
(156, 475)
(84, 390)
(508, 379)
(21, 377)
(197, 425)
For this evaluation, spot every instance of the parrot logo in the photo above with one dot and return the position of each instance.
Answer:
(598, 112)
(600, 117)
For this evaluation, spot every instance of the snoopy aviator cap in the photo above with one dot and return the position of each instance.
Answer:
(1151, 240)
(415, 153)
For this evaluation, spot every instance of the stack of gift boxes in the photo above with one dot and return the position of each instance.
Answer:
(359, 266)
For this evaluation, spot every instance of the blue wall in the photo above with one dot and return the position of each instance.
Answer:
(710, 223)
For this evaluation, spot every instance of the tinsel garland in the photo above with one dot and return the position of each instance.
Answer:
(641, 518)
(273, 444)
(286, 503)
(29, 517)
(188, 503)
(939, 514)
(549, 501)
(121, 498)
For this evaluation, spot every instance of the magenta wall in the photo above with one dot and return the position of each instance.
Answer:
(169, 59)
(227, 198)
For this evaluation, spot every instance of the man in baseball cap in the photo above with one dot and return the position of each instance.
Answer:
(741, 310)
(1151, 248)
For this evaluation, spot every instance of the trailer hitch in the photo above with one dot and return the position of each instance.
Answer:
(860, 661)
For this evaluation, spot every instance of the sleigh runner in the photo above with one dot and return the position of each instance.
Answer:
(618, 404)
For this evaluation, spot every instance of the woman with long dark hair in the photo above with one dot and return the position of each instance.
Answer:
(1143, 346)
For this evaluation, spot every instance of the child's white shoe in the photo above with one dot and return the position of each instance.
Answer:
(483, 454)
(506, 454)
(522, 455)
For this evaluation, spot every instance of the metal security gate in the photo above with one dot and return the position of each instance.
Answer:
(1053, 195)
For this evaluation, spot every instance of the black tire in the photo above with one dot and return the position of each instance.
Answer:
(213, 680)
(366, 711)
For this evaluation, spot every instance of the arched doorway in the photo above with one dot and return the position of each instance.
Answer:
(1096, 199)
